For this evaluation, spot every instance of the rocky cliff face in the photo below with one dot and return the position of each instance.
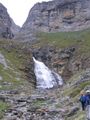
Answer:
(57, 15)
(7, 27)
(14, 28)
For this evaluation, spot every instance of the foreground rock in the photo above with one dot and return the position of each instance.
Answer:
(34, 107)
(41, 105)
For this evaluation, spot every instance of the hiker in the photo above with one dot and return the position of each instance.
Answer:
(83, 100)
(88, 104)
(87, 97)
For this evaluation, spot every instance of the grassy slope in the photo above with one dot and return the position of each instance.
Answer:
(13, 78)
(66, 39)
(15, 60)
(11, 74)
(81, 40)
(3, 107)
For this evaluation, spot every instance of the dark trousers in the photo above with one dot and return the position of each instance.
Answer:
(83, 106)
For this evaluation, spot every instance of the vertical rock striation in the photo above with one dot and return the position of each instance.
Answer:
(56, 16)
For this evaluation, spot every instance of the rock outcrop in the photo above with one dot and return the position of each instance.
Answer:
(56, 59)
(55, 16)
(14, 28)
(7, 27)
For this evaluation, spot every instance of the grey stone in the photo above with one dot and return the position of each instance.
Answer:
(73, 111)
(56, 16)
(7, 27)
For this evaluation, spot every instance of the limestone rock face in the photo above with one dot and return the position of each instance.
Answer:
(14, 28)
(7, 29)
(57, 15)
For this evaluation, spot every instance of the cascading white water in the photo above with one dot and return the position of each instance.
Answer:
(45, 77)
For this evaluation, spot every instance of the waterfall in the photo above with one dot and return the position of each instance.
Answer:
(45, 77)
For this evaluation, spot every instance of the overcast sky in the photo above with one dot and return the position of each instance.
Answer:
(19, 9)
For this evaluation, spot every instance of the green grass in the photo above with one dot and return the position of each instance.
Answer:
(16, 57)
(79, 116)
(39, 103)
(58, 105)
(76, 90)
(3, 106)
(81, 39)
(12, 77)
(9, 76)
(57, 39)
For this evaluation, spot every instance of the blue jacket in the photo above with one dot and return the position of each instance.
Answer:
(83, 99)
(88, 99)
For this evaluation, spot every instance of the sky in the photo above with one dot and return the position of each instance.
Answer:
(19, 9)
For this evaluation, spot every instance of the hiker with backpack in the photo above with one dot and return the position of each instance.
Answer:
(83, 100)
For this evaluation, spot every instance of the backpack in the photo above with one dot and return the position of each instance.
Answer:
(83, 99)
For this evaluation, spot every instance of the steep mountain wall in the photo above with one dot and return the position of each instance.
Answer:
(55, 16)
(14, 28)
(7, 26)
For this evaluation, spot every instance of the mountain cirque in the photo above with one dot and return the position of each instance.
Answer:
(67, 53)
(56, 16)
